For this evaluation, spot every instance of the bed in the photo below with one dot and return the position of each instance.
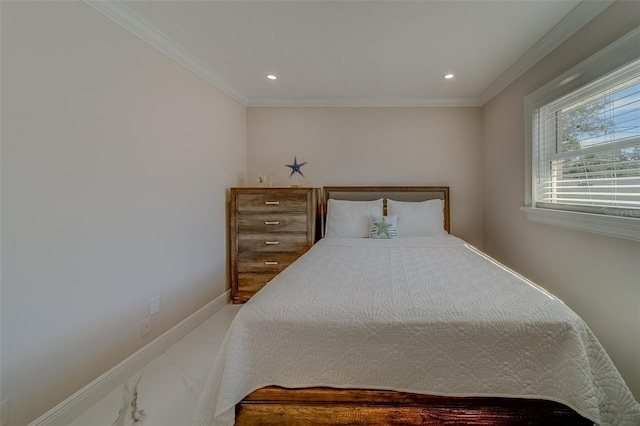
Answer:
(418, 329)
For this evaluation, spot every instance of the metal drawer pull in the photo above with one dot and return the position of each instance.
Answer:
(272, 203)
(274, 222)
(270, 263)
(272, 243)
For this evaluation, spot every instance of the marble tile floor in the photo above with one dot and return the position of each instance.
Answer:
(165, 392)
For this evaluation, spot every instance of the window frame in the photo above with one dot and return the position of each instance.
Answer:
(617, 54)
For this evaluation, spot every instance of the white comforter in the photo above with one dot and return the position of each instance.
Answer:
(420, 315)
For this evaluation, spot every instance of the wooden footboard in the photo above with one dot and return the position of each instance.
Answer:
(326, 406)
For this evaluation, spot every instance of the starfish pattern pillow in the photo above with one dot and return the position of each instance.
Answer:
(383, 227)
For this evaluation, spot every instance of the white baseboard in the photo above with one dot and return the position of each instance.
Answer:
(72, 407)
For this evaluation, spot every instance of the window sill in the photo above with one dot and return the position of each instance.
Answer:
(614, 226)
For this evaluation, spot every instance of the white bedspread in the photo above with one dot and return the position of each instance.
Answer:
(420, 315)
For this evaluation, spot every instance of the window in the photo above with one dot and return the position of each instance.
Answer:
(583, 138)
(587, 147)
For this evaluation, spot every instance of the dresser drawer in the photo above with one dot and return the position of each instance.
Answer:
(271, 201)
(295, 243)
(274, 222)
(270, 263)
(269, 228)
(251, 283)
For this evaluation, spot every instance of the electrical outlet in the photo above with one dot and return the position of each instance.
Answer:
(145, 326)
(155, 305)
(4, 412)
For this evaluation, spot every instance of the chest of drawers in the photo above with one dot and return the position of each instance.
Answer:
(269, 228)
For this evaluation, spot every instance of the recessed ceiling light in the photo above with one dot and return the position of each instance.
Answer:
(271, 77)
(448, 76)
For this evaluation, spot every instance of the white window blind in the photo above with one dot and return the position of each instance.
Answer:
(586, 147)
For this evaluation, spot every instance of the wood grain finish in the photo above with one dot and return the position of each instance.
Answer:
(260, 223)
(326, 406)
(274, 242)
(272, 200)
(269, 229)
(261, 263)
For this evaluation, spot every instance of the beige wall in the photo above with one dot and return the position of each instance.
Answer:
(376, 146)
(597, 276)
(115, 162)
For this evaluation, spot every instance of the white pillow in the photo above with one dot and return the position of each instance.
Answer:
(350, 219)
(418, 219)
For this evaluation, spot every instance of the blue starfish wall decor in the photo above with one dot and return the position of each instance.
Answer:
(295, 167)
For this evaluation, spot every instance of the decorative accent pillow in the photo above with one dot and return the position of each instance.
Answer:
(418, 219)
(383, 227)
(350, 219)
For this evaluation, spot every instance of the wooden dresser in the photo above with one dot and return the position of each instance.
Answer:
(269, 228)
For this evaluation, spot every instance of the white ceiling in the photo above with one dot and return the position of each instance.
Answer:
(355, 52)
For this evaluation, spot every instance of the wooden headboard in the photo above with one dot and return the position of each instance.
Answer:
(398, 193)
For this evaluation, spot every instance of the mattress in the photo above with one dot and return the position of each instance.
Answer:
(421, 315)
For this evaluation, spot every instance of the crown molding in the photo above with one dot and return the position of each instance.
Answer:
(125, 17)
(581, 15)
(118, 12)
(365, 102)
